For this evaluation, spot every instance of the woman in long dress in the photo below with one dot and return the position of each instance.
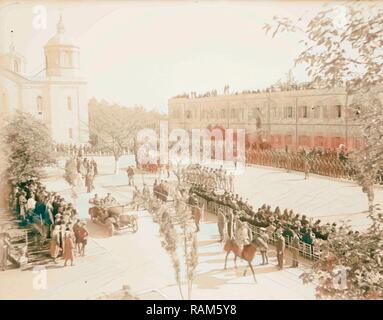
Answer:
(68, 253)
(55, 243)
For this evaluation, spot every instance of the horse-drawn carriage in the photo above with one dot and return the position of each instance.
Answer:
(114, 217)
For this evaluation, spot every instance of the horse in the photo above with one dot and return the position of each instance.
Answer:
(196, 214)
(247, 253)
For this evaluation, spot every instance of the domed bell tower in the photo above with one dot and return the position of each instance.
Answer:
(62, 56)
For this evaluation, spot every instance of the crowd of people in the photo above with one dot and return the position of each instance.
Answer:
(75, 150)
(274, 88)
(234, 209)
(86, 171)
(57, 219)
(209, 177)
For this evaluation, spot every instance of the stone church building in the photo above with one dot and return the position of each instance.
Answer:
(57, 97)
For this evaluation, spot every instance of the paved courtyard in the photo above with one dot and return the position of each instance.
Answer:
(139, 260)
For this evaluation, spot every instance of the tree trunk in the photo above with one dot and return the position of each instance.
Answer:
(135, 152)
(116, 164)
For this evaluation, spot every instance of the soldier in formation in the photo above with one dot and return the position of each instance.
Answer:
(212, 178)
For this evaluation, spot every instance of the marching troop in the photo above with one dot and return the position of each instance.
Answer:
(212, 178)
(327, 163)
(235, 216)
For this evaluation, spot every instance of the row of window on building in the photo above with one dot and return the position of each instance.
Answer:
(287, 112)
(40, 104)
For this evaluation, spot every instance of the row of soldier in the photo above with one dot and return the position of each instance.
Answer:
(301, 162)
(287, 222)
(84, 150)
(212, 178)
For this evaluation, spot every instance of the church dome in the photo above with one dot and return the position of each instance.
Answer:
(60, 38)
(62, 56)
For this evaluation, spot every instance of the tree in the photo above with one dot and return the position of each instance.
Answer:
(72, 177)
(177, 235)
(28, 147)
(342, 48)
(113, 128)
(352, 267)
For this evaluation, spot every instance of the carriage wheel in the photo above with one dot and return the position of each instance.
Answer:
(111, 230)
(134, 225)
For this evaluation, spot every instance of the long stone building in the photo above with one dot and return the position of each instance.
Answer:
(297, 119)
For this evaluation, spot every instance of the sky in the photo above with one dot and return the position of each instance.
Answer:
(143, 53)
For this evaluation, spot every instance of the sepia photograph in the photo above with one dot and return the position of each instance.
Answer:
(191, 150)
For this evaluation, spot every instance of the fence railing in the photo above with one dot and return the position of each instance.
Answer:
(306, 250)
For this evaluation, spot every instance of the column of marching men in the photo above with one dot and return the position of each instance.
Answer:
(236, 217)
(211, 178)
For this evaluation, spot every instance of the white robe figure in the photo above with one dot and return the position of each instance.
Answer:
(242, 234)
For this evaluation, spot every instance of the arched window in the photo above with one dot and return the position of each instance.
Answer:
(66, 59)
(39, 104)
(338, 111)
(16, 66)
(69, 103)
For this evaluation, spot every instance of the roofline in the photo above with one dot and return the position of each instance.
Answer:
(263, 95)
(41, 81)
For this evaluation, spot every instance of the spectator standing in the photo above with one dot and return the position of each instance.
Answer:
(95, 168)
(295, 249)
(262, 242)
(4, 248)
(280, 246)
(130, 173)
(221, 222)
(55, 244)
(81, 235)
(68, 253)
(306, 168)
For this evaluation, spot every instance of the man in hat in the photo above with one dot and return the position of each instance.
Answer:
(280, 246)
(81, 238)
(68, 253)
(306, 167)
(130, 173)
(136, 198)
(295, 249)
(262, 242)
(230, 224)
(109, 200)
(221, 222)
(95, 200)
(55, 243)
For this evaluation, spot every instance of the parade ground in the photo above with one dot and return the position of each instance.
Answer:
(138, 260)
